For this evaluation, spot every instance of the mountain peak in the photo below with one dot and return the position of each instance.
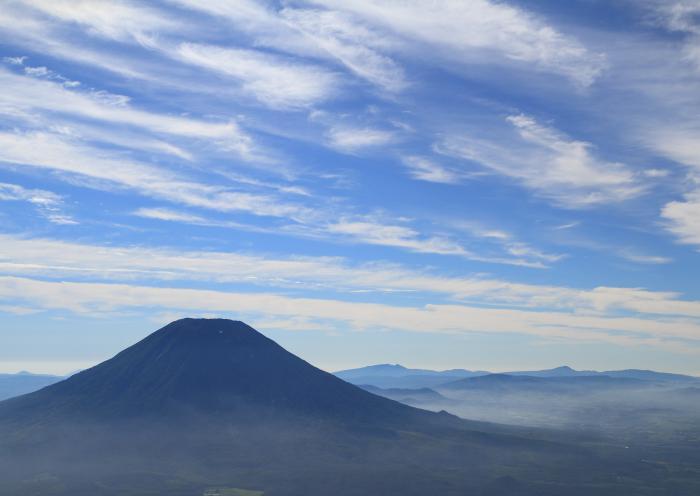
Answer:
(225, 332)
(392, 366)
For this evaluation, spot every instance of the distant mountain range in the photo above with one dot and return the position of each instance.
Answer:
(561, 384)
(397, 376)
(23, 383)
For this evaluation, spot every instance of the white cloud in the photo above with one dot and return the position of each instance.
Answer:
(463, 31)
(367, 230)
(374, 232)
(683, 218)
(44, 35)
(365, 36)
(45, 72)
(568, 225)
(555, 166)
(682, 144)
(525, 251)
(274, 81)
(350, 139)
(641, 258)
(169, 215)
(393, 235)
(425, 169)
(100, 298)
(36, 71)
(317, 34)
(102, 168)
(14, 60)
(48, 204)
(349, 43)
(30, 94)
(656, 173)
(682, 16)
(63, 259)
(679, 143)
(528, 255)
(120, 20)
(40, 37)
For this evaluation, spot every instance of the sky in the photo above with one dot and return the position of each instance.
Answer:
(478, 184)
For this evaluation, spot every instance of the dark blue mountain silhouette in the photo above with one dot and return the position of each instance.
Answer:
(208, 366)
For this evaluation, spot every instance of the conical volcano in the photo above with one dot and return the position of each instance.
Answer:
(213, 366)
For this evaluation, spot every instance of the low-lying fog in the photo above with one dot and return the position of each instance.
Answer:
(644, 414)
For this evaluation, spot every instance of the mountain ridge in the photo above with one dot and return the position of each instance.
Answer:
(407, 378)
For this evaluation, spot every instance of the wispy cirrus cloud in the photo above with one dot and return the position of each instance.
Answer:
(561, 169)
(681, 16)
(373, 231)
(121, 20)
(97, 298)
(30, 94)
(395, 235)
(425, 169)
(352, 139)
(479, 30)
(272, 80)
(368, 37)
(41, 257)
(350, 43)
(100, 168)
(48, 204)
(314, 33)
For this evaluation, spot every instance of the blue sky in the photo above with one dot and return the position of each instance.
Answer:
(478, 184)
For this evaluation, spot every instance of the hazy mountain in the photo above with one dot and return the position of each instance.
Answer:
(388, 376)
(646, 375)
(650, 375)
(23, 383)
(396, 370)
(397, 376)
(562, 384)
(563, 371)
(414, 397)
(205, 406)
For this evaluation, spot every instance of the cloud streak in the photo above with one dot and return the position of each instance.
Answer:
(272, 80)
(104, 170)
(29, 94)
(95, 298)
(48, 204)
(556, 167)
(61, 259)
